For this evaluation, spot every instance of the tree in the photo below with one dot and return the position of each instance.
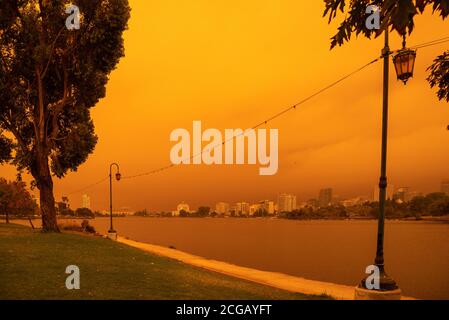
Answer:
(439, 75)
(84, 212)
(398, 15)
(183, 213)
(16, 199)
(438, 203)
(50, 77)
(5, 198)
(203, 211)
(141, 213)
(66, 212)
(419, 204)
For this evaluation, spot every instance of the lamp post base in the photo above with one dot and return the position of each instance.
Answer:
(112, 235)
(367, 294)
(386, 288)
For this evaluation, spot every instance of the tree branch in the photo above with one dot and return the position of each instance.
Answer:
(15, 132)
(59, 106)
(41, 118)
(51, 52)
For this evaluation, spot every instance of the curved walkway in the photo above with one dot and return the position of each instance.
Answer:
(273, 279)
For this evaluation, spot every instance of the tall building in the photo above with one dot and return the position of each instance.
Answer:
(286, 202)
(63, 205)
(445, 186)
(222, 208)
(242, 208)
(86, 201)
(325, 197)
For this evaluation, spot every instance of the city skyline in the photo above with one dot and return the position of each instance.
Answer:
(402, 193)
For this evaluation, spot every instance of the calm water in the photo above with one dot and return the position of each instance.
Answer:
(416, 253)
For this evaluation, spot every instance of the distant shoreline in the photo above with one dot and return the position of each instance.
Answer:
(440, 219)
(422, 219)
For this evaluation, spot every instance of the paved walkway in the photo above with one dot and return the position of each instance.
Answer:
(273, 279)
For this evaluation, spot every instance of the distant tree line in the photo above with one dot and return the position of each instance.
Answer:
(63, 209)
(80, 212)
(433, 204)
(200, 213)
(309, 213)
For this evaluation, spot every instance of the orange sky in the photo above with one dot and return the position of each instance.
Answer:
(234, 63)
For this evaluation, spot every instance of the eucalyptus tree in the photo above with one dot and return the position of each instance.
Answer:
(50, 78)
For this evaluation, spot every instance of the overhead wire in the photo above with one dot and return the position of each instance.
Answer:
(273, 117)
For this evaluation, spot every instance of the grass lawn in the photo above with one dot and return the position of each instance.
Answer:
(32, 266)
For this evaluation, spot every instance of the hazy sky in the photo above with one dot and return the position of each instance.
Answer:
(231, 64)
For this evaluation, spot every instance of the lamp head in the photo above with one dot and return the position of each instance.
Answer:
(404, 62)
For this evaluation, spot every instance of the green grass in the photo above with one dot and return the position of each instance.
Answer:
(32, 266)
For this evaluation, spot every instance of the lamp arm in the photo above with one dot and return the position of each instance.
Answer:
(110, 168)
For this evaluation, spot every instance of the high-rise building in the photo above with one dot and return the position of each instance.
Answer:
(86, 201)
(445, 186)
(286, 202)
(222, 208)
(242, 208)
(325, 197)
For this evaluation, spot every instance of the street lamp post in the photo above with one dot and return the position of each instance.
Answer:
(112, 234)
(386, 287)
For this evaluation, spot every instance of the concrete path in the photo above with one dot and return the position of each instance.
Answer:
(273, 279)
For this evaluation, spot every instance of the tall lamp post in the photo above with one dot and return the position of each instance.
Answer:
(112, 234)
(385, 287)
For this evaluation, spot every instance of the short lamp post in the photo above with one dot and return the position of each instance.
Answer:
(386, 288)
(112, 234)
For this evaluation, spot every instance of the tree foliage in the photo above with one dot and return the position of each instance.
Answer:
(439, 75)
(436, 204)
(203, 211)
(73, 67)
(398, 15)
(16, 199)
(84, 212)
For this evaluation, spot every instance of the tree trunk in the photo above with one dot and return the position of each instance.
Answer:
(47, 200)
(7, 216)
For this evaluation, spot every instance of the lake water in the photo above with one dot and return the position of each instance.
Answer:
(416, 253)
